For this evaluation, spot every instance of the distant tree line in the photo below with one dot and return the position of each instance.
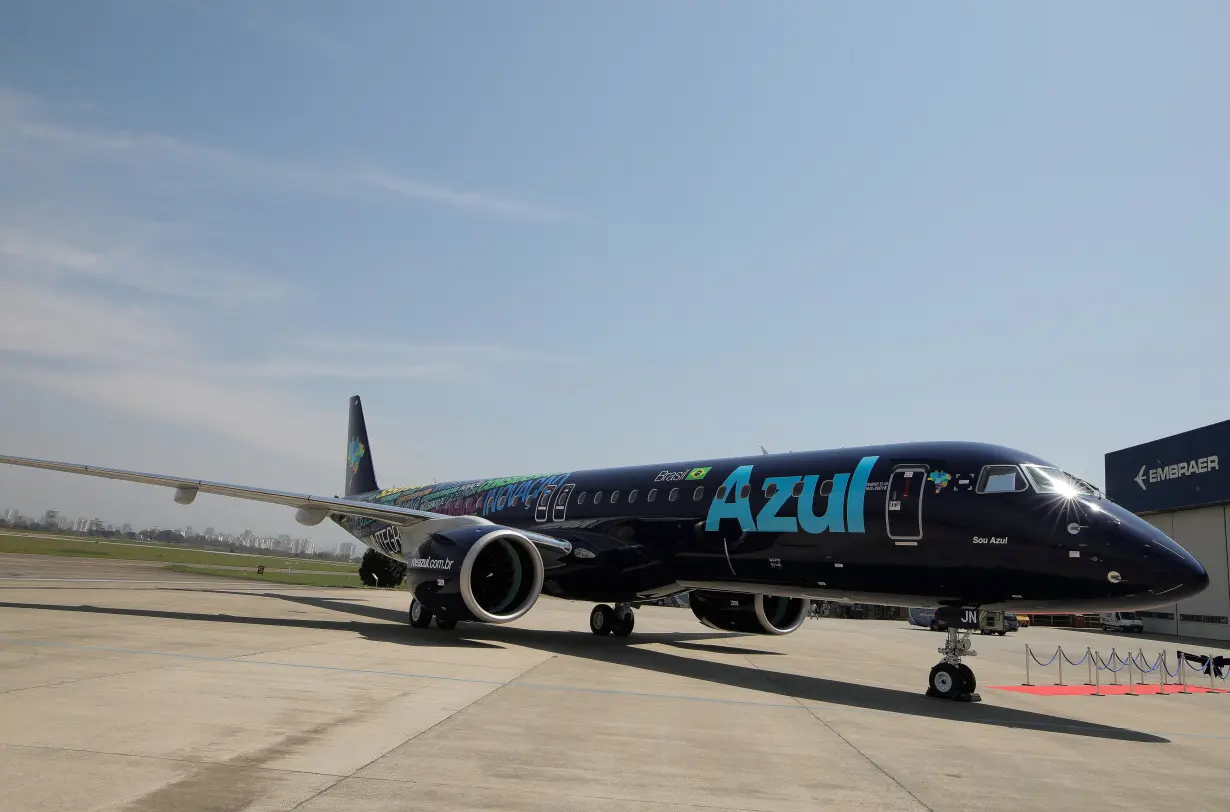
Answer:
(195, 541)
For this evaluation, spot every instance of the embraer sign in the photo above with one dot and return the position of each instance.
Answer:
(1200, 466)
(1182, 471)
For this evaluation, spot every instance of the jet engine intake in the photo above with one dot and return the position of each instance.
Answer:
(486, 573)
(750, 614)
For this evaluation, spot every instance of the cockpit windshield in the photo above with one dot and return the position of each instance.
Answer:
(1046, 479)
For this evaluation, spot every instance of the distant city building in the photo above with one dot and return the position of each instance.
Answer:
(127, 528)
(346, 549)
(97, 526)
(188, 532)
(209, 532)
(51, 518)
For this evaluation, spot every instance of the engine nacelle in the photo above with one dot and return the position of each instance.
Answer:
(750, 614)
(486, 573)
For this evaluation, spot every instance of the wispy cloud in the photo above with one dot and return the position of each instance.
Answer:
(102, 304)
(64, 251)
(24, 126)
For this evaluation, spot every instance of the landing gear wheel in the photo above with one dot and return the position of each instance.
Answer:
(420, 618)
(945, 681)
(625, 620)
(446, 623)
(968, 678)
(602, 620)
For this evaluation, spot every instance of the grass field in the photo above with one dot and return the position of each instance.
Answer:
(274, 577)
(134, 551)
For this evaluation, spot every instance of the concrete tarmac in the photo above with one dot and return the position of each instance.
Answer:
(124, 686)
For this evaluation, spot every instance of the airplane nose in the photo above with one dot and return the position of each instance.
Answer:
(1193, 580)
(1177, 574)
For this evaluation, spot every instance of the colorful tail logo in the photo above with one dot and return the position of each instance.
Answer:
(354, 454)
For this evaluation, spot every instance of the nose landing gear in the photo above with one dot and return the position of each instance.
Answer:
(950, 678)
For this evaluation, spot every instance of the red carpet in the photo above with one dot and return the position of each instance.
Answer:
(1108, 690)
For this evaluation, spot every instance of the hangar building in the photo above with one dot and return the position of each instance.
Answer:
(1181, 485)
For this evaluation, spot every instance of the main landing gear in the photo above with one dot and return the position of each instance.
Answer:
(618, 621)
(420, 618)
(950, 678)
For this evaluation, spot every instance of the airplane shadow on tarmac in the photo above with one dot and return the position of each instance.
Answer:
(624, 652)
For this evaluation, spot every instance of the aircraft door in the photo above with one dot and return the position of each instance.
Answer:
(561, 503)
(903, 512)
(544, 502)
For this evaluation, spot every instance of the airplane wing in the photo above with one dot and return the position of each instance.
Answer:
(311, 509)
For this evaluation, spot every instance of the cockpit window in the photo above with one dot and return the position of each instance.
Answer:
(1001, 479)
(1046, 479)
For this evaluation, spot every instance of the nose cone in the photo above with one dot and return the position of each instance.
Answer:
(1167, 572)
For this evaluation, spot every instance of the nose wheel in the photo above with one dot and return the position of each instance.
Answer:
(619, 620)
(950, 678)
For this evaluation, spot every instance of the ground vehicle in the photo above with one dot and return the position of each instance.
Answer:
(1011, 624)
(1023, 621)
(1122, 622)
(923, 617)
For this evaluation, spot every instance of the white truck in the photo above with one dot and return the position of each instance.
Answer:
(1122, 622)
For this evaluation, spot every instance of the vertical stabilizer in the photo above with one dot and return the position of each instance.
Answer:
(360, 476)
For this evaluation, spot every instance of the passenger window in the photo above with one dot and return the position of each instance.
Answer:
(744, 491)
(652, 495)
(771, 490)
(826, 487)
(698, 494)
(632, 497)
(614, 497)
(797, 491)
(674, 494)
(721, 492)
(581, 498)
(598, 498)
(1001, 479)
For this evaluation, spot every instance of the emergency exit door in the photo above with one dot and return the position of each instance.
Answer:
(903, 511)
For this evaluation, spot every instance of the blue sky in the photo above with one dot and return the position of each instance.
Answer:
(546, 236)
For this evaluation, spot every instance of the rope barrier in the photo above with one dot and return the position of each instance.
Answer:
(1138, 667)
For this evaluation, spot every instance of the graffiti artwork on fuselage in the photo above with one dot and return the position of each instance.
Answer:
(791, 502)
(480, 497)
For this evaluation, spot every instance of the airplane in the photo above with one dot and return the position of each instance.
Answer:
(964, 528)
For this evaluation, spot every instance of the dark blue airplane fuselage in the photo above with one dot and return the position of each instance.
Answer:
(919, 524)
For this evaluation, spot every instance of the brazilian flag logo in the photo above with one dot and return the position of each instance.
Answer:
(698, 473)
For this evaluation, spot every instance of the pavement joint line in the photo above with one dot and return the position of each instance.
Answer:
(848, 743)
(796, 705)
(405, 674)
(407, 740)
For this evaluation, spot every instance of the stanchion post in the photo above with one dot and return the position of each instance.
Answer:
(1089, 657)
(1059, 651)
(1114, 675)
(1097, 672)
(1027, 652)
(1131, 691)
(1208, 663)
(1183, 672)
(1161, 679)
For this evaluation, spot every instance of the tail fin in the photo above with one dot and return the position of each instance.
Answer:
(360, 476)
